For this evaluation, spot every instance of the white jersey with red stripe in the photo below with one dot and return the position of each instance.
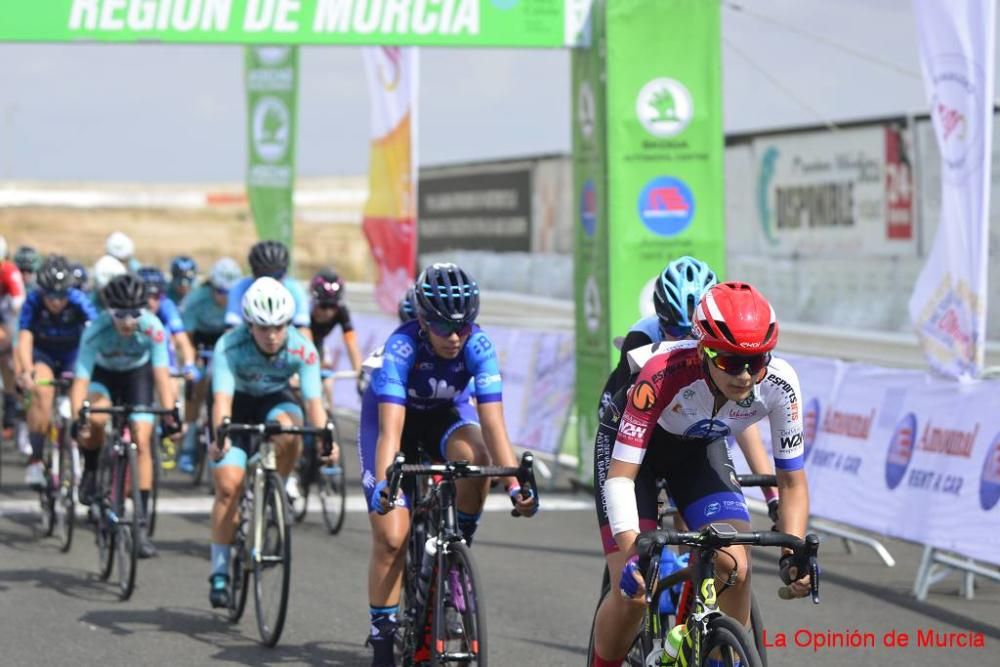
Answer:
(672, 392)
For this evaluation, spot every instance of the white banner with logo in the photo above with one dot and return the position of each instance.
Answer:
(902, 453)
(822, 193)
(948, 305)
(536, 366)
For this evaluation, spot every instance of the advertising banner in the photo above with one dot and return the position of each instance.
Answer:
(511, 23)
(389, 220)
(948, 305)
(272, 88)
(830, 193)
(476, 211)
(536, 367)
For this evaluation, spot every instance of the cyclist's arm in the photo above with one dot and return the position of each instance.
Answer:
(351, 343)
(85, 360)
(315, 412)
(794, 491)
(752, 446)
(22, 351)
(781, 388)
(223, 382)
(78, 393)
(495, 435)
(390, 434)
(619, 493)
(185, 350)
(222, 407)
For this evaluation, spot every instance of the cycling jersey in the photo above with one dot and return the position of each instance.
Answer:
(234, 306)
(12, 288)
(671, 393)
(170, 316)
(200, 312)
(57, 334)
(238, 365)
(103, 346)
(321, 330)
(412, 375)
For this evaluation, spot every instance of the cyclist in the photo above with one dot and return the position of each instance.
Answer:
(204, 313)
(326, 290)
(121, 247)
(411, 404)
(269, 258)
(123, 354)
(12, 294)
(677, 290)
(51, 324)
(105, 269)
(170, 317)
(28, 261)
(688, 397)
(183, 272)
(80, 276)
(251, 368)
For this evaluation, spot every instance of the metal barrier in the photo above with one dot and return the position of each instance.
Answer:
(937, 565)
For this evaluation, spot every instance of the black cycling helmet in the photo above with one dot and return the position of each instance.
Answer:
(125, 291)
(56, 275)
(407, 311)
(326, 287)
(446, 293)
(268, 258)
(27, 259)
(183, 269)
(79, 275)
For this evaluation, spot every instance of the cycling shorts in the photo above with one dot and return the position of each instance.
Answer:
(132, 387)
(59, 362)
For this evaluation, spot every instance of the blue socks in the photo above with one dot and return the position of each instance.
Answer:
(467, 523)
(220, 559)
(37, 441)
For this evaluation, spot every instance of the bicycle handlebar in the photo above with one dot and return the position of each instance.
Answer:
(757, 480)
(126, 410)
(328, 432)
(63, 382)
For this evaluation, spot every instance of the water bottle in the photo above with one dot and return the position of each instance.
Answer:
(426, 569)
(673, 643)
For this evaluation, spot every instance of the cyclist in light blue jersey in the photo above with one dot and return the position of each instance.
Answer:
(183, 273)
(204, 314)
(251, 369)
(123, 354)
(269, 258)
(181, 351)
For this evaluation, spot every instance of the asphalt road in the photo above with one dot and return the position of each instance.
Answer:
(540, 583)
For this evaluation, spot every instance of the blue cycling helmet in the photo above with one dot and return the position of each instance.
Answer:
(183, 269)
(156, 282)
(446, 293)
(678, 290)
(407, 311)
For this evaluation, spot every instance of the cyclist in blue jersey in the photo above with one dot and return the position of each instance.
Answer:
(204, 314)
(181, 352)
(123, 354)
(183, 273)
(251, 369)
(51, 323)
(269, 258)
(411, 404)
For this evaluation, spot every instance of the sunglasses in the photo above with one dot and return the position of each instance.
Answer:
(125, 313)
(56, 294)
(676, 331)
(735, 364)
(221, 292)
(446, 329)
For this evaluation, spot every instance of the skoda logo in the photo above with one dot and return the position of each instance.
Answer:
(271, 129)
(664, 107)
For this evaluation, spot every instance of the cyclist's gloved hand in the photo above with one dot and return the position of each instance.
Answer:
(772, 510)
(170, 424)
(380, 498)
(192, 372)
(79, 429)
(631, 584)
(794, 572)
(524, 504)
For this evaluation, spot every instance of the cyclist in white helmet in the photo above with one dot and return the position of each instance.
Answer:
(106, 268)
(121, 247)
(267, 353)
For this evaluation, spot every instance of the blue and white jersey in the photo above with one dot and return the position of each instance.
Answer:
(239, 365)
(649, 326)
(103, 346)
(412, 375)
(234, 307)
(200, 312)
(56, 332)
(170, 316)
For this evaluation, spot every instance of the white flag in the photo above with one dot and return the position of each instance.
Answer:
(948, 304)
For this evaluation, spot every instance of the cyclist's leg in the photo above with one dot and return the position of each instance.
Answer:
(7, 373)
(195, 398)
(703, 483)
(228, 474)
(618, 619)
(99, 396)
(39, 414)
(461, 439)
(283, 408)
(135, 387)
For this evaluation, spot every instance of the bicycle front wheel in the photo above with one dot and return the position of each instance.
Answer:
(127, 532)
(333, 497)
(155, 446)
(730, 640)
(272, 567)
(459, 626)
(239, 580)
(64, 501)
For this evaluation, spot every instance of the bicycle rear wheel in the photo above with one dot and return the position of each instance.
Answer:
(272, 572)
(757, 626)
(333, 496)
(65, 503)
(730, 639)
(459, 625)
(239, 579)
(156, 447)
(200, 454)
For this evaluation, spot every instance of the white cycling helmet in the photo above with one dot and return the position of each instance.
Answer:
(105, 269)
(3, 248)
(268, 303)
(225, 273)
(119, 246)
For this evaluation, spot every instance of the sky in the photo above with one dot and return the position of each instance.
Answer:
(155, 113)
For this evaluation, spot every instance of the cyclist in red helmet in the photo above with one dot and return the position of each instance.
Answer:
(687, 398)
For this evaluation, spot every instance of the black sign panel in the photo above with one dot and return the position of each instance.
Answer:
(477, 211)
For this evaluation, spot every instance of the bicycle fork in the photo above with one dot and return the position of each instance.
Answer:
(268, 461)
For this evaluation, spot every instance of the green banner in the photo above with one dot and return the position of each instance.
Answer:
(649, 171)
(272, 84)
(593, 335)
(513, 23)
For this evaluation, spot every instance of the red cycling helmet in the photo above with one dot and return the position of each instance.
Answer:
(735, 318)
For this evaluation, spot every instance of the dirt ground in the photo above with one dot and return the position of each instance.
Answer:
(160, 234)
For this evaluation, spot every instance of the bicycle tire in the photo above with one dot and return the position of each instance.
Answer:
(276, 527)
(200, 455)
(105, 533)
(757, 627)
(47, 498)
(723, 632)
(410, 635)
(239, 580)
(472, 639)
(332, 494)
(304, 470)
(154, 445)
(66, 512)
(127, 532)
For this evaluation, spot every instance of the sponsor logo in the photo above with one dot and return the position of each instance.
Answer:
(608, 413)
(368, 480)
(989, 483)
(947, 441)
(633, 431)
(402, 349)
(689, 394)
(664, 107)
(810, 425)
(300, 352)
(765, 174)
(455, 17)
(955, 103)
(591, 305)
(425, 366)
(900, 450)
(271, 128)
(791, 441)
(708, 429)
(438, 389)
(742, 414)
(643, 396)
(586, 110)
(712, 509)
(588, 208)
(272, 56)
(848, 424)
(783, 386)
(486, 379)
(666, 206)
